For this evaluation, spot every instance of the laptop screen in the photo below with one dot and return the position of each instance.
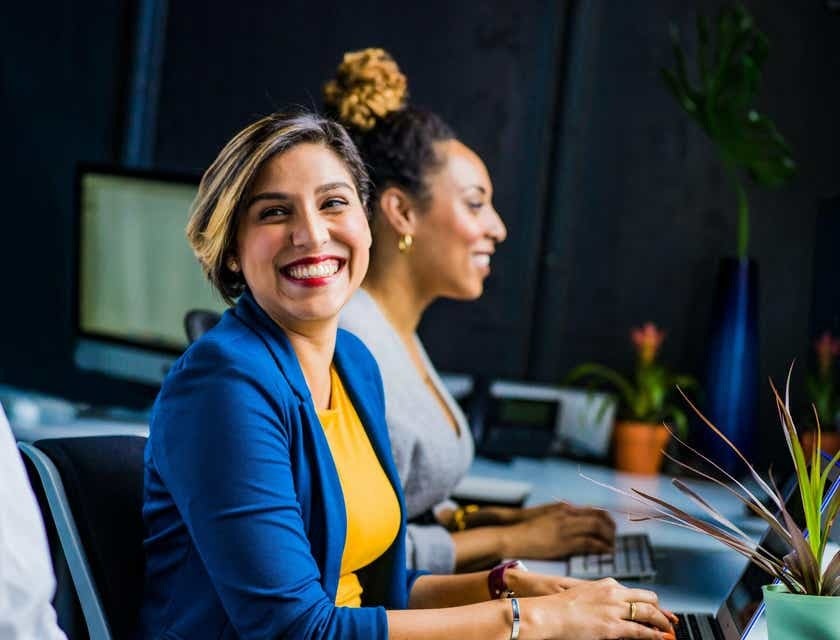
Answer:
(745, 598)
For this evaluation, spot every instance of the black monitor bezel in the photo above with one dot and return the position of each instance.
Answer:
(86, 168)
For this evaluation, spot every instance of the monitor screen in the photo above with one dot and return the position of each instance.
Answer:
(536, 413)
(136, 274)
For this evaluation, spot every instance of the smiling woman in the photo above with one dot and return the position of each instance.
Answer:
(302, 240)
(435, 230)
(272, 506)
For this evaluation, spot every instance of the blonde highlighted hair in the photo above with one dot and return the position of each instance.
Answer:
(216, 210)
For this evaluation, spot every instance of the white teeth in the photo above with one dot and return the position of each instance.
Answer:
(318, 270)
(481, 259)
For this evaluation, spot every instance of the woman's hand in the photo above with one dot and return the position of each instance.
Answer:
(599, 610)
(526, 584)
(559, 531)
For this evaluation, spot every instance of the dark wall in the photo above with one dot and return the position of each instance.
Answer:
(489, 68)
(63, 72)
(642, 211)
(616, 204)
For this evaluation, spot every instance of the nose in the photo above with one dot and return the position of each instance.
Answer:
(310, 230)
(496, 229)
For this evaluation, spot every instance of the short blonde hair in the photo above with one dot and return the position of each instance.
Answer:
(217, 208)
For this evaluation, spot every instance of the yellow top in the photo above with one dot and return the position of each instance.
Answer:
(373, 512)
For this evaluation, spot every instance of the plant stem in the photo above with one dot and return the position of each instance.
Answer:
(743, 212)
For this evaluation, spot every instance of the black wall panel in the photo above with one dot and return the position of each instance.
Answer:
(63, 72)
(490, 68)
(616, 205)
(642, 212)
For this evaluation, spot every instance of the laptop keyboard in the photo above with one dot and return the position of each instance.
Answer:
(697, 627)
(632, 558)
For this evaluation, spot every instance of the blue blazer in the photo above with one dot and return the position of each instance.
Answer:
(244, 513)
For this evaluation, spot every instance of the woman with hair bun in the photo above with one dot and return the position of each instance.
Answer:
(435, 230)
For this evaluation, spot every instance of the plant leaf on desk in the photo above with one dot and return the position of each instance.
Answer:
(697, 499)
(831, 577)
(799, 569)
(761, 483)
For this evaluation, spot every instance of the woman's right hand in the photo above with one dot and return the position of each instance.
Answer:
(560, 532)
(598, 610)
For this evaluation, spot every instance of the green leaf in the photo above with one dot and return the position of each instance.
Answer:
(724, 103)
(597, 372)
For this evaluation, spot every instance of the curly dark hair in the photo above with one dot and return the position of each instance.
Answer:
(368, 96)
(399, 150)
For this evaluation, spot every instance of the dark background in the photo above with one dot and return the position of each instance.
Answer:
(616, 205)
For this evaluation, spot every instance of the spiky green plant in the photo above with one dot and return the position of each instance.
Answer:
(799, 569)
(722, 102)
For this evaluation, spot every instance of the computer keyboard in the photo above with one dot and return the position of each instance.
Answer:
(697, 627)
(632, 559)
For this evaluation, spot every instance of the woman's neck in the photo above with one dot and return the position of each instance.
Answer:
(397, 294)
(314, 347)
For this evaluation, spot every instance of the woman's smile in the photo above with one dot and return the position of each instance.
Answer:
(314, 271)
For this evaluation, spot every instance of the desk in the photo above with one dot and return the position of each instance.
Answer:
(79, 428)
(694, 572)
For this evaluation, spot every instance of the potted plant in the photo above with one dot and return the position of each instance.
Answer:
(822, 392)
(805, 602)
(722, 101)
(640, 434)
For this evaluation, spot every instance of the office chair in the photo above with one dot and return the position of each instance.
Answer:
(94, 492)
(197, 322)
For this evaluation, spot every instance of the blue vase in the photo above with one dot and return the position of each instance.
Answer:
(732, 382)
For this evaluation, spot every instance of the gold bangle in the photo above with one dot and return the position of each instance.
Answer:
(459, 516)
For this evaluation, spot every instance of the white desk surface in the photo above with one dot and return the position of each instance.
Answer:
(79, 428)
(694, 572)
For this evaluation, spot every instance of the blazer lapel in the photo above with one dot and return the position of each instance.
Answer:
(374, 423)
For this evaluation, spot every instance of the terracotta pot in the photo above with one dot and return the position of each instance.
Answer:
(638, 446)
(830, 441)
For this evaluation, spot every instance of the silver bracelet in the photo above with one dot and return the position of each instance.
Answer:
(514, 629)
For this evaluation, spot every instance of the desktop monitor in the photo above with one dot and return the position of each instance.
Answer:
(136, 275)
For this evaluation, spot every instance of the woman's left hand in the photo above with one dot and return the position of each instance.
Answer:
(526, 584)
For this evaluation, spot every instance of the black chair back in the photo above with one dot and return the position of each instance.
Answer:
(103, 482)
(197, 322)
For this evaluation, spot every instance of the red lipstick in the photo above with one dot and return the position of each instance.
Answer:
(313, 271)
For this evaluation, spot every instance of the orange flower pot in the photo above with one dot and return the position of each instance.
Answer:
(638, 446)
(830, 441)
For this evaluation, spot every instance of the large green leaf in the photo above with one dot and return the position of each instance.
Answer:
(723, 102)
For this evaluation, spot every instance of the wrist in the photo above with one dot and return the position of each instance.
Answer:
(531, 621)
(514, 581)
(499, 584)
(507, 541)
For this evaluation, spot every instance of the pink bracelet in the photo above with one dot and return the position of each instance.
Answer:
(496, 579)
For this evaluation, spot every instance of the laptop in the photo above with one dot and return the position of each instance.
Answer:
(743, 606)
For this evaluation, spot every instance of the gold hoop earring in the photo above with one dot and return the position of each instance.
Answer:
(405, 243)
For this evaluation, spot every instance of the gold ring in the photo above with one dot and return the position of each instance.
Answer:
(632, 612)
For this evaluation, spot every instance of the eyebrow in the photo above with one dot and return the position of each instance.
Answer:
(332, 185)
(476, 186)
(279, 195)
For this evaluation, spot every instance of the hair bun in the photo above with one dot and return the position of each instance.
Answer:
(368, 85)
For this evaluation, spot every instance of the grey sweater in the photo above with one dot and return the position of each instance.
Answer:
(430, 456)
